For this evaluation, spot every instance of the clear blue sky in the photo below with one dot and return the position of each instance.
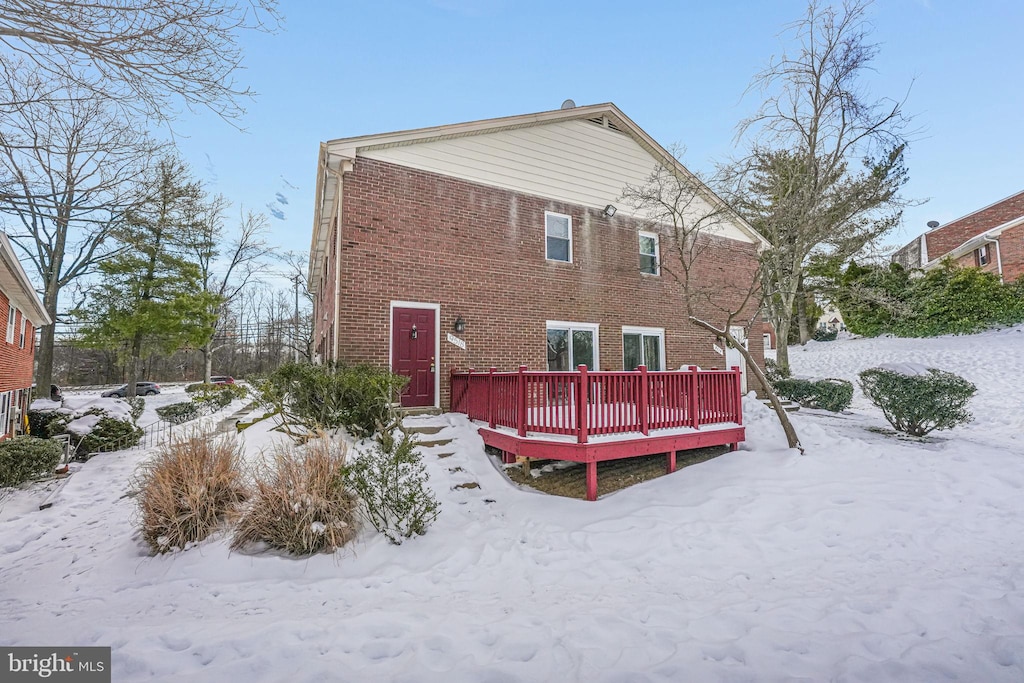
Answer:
(677, 68)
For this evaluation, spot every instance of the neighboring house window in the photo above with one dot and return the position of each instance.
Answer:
(649, 253)
(21, 339)
(558, 234)
(5, 413)
(643, 346)
(981, 254)
(570, 345)
(11, 314)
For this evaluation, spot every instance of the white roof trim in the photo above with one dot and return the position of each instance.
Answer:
(975, 242)
(26, 297)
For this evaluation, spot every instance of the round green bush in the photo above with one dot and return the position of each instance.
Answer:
(178, 413)
(828, 394)
(25, 457)
(110, 434)
(919, 404)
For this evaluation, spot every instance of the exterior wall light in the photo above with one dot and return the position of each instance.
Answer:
(460, 325)
(609, 211)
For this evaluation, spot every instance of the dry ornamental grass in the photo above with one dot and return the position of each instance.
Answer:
(301, 504)
(189, 489)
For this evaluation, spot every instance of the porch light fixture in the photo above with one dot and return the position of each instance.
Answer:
(609, 211)
(460, 325)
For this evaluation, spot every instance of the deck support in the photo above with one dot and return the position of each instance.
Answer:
(592, 480)
(671, 462)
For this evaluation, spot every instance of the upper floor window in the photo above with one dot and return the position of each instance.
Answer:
(982, 255)
(21, 339)
(649, 253)
(558, 237)
(11, 314)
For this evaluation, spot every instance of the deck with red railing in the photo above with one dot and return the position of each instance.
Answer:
(590, 417)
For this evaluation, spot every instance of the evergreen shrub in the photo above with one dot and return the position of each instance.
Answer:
(919, 404)
(25, 457)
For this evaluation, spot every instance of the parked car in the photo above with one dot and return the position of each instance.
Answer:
(222, 379)
(141, 389)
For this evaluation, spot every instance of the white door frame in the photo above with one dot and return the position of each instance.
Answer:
(734, 357)
(437, 339)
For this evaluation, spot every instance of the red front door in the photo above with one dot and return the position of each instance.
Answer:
(413, 353)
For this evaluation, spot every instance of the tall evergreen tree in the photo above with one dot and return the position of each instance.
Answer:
(151, 298)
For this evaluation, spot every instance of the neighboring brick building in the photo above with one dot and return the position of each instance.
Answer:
(491, 244)
(991, 238)
(24, 313)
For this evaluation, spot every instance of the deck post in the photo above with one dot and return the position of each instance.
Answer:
(490, 397)
(521, 401)
(694, 417)
(739, 393)
(671, 464)
(644, 399)
(582, 410)
(592, 480)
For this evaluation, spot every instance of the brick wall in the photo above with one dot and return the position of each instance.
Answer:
(479, 251)
(16, 363)
(952, 235)
(1011, 252)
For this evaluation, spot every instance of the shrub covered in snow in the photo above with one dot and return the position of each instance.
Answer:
(827, 394)
(392, 483)
(917, 400)
(24, 457)
(136, 404)
(178, 413)
(236, 390)
(188, 490)
(104, 435)
(301, 504)
(773, 372)
(823, 335)
(324, 397)
(47, 423)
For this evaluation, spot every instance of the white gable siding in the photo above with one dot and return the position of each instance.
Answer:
(575, 161)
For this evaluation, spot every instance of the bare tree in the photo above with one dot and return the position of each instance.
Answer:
(148, 55)
(816, 125)
(719, 276)
(226, 271)
(68, 170)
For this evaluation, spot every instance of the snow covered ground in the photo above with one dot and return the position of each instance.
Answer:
(869, 559)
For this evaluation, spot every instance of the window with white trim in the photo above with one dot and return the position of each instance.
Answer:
(21, 338)
(5, 413)
(11, 314)
(650, 256)
(643, 346)
(982, 256)
(557, 237)
(571, 345)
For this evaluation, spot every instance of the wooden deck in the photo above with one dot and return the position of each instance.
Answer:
(590, 417)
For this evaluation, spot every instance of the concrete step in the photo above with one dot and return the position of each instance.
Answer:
(788, 406)
(421, 429)
(410, 412)
(438, 442)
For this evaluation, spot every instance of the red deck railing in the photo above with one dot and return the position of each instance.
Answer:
(585, 403)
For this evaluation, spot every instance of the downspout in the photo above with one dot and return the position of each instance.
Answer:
(999, 258)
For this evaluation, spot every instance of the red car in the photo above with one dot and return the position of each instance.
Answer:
(222, 379)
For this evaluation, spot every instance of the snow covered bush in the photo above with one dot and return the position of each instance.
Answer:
(235, 390)
(301, 504)
(828, 394)
(188, 490)
(47, 423)
(823, 335)
(24, 457)
(106, 434)
(392, 483)
(325, 397)
(136, 404)
(178, 413)
(212, 400)
(917, 400)
(772, 372)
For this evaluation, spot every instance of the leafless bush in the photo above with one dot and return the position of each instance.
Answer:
(301, 504)
(189, 489)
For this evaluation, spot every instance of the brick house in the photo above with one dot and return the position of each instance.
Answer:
(991, 238)
(24, 313)
(505, 242)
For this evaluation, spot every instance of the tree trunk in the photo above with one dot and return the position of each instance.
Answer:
(44, 355)
(133, 366)
(782, 344)
(207, 362)
(780, 412)
(801, 313)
